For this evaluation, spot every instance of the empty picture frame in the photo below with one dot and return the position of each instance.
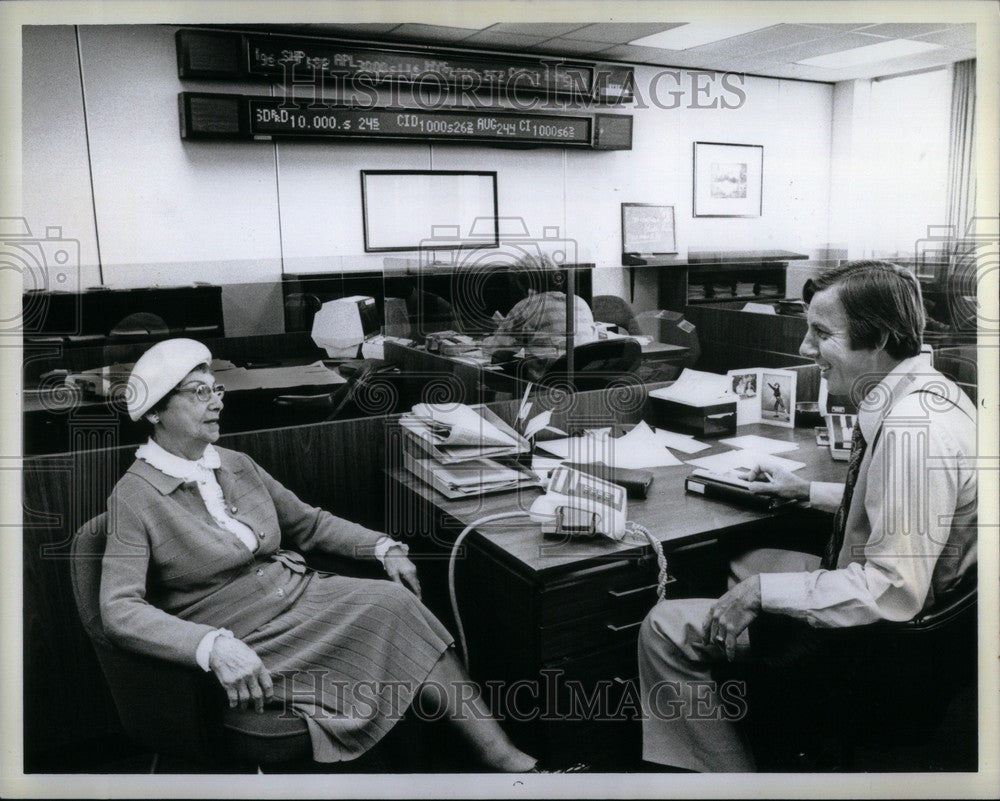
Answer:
(429, 210)
(728, 180)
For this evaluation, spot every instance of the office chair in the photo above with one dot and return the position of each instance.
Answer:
(181, 713)
(833, 695)
(675, 330)
(300, 308)
(139, 326)
(170, 709)
(596, 365)
(613, 309)
(339, 404)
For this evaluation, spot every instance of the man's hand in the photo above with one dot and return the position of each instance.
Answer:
(402, 570)
(241, 673)
(731, 614)
(767, 479)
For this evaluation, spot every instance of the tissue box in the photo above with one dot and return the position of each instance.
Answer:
(711, 420)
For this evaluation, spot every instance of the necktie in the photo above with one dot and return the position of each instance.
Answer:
(836, 541)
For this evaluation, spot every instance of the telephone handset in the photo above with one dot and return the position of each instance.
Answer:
(580, 505)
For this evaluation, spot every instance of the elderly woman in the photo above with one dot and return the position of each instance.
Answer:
(195, 572)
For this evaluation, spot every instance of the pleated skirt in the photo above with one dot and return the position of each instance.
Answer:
(348, 657)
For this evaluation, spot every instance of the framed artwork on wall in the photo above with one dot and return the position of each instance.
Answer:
(728, 180)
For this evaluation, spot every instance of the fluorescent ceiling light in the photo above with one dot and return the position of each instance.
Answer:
(869, 54)
(693, 34)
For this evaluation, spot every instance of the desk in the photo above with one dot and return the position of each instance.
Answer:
(59, 419)
(551, 614)
(470, 383)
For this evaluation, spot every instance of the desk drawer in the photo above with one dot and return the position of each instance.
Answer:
(620, 587)
(609, 628)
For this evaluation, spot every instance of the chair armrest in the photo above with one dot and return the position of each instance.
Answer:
(192, 727)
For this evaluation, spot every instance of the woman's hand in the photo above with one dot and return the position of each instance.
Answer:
(769, 479)
(402, 570)
(241, 673)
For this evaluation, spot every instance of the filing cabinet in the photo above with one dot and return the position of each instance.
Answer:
(560, 652)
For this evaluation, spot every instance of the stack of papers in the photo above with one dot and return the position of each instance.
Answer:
(476, 477)
(743, 459)
(639, 448)
(453, 449)
(696, 388)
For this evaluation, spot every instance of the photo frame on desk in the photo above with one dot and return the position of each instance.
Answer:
(728, 180)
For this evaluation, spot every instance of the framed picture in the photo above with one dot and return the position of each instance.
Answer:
(764, 396)
(777, 398)
(728, 180)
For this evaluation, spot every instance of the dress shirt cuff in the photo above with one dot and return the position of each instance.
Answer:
(205, 647)
(825, 495)
(784, 593)
(384, 544)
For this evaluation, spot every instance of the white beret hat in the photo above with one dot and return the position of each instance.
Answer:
(159, 370)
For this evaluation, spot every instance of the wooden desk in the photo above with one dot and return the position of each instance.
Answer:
(59, 419)
(563, 617)
(470, 383)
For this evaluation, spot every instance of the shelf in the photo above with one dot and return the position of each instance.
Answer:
(735, 298)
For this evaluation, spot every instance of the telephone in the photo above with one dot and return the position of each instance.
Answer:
(580, 505)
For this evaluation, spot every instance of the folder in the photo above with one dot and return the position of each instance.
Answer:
(733, 490)
(452, 435)
(468, 479)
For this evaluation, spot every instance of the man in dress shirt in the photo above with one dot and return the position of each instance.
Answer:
(904, 533)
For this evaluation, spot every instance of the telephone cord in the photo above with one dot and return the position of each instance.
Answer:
(632, 528)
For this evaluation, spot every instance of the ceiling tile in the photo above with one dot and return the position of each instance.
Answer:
(497, 39)
(773, 38)
(905, 30)
(620, 32)
(819, 47)
(919, 61)
(547, 30)
(418, 32)
(955, 36)
(839, 27)
(568, 47)
(349, 29)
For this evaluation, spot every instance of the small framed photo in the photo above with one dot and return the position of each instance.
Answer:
(728, 180)
(745, 386)
(777, 398)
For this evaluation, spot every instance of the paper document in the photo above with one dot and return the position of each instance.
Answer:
(761, 444)
(459, 425)
(537, 423)
(637, 449)
(734, 460)
(685, 443)
(315, 374)
(759, 308)
(476, 474)
(696, 388)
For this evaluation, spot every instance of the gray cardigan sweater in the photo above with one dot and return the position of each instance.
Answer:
(171, 575)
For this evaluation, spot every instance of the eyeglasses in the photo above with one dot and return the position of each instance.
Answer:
(204, 392)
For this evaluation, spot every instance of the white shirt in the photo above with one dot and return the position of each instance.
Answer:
(202, 474)
(910, 531)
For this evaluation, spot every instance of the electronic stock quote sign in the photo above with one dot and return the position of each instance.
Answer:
(236, 56)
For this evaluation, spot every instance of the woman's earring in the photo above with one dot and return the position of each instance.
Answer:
(154, 419)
